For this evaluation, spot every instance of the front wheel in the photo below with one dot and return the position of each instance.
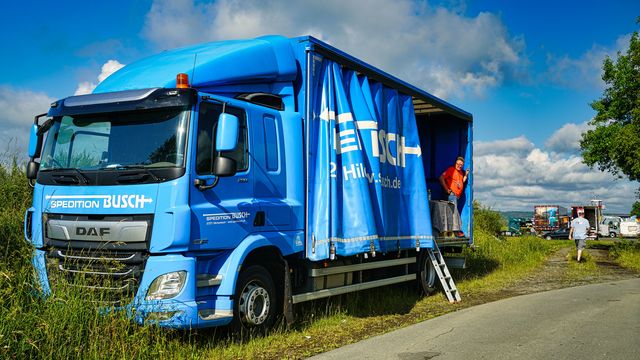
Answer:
(612, 234)
(256, 300)
(426, 274)
(548, 237)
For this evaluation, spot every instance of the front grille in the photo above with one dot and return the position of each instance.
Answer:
(99, 270)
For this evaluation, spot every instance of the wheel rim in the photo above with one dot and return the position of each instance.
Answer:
(254, 304)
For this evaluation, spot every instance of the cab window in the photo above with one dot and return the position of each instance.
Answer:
(207, 125)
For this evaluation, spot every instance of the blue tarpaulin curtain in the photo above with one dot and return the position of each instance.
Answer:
(367, 189)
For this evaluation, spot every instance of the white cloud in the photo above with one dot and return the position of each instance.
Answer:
(108, 68)
(17, 110)
(437, 49)
(586, 70)
(519, 145)
(85, 87)
(19, 106)
(513, 174)
(567, 138)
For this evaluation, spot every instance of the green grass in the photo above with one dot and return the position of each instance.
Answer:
(580, 270)
(627, 254)
(64, 326)
(496, 263)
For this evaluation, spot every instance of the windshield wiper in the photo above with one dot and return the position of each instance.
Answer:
(83, 178)
(129, 167)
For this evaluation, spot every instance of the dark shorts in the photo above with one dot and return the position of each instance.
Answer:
(581, 243)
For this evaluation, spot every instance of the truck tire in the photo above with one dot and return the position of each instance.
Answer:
(426, 274)
(612, 234)
(255, 307)
(548, 237)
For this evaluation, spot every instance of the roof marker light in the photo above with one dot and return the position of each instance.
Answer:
(182, 81)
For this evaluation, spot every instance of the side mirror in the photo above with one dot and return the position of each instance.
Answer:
(35, 142)
(223, 166)
(35, 139)
(32, 170)
(227, 132)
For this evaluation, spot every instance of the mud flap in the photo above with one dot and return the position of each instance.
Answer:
(288, 301)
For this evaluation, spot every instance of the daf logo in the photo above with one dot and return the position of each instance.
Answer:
(92, 231)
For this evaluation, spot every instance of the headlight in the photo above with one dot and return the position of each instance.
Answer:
(167, 286)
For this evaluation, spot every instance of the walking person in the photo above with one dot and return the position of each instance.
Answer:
(579, 228)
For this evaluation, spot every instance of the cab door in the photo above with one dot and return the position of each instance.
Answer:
(269, 169)
(223, 209)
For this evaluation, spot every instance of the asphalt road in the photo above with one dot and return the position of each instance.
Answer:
(600, 321)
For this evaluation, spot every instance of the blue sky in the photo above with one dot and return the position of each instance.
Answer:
(526, 70)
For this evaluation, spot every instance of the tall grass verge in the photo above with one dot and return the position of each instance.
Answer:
(65, 325)
(627, 254)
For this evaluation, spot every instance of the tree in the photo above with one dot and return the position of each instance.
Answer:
(614, 142)
(635, 209)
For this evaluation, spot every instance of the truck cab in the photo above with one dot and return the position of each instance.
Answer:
(174, 187)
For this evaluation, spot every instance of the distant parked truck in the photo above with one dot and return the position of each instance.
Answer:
(630, 228)
(519, 226)
(549, 218)
(593, 213)
(609, 226)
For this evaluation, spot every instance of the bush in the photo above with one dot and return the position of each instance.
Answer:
(487, 220)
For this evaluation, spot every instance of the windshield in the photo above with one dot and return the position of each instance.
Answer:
(150, 139)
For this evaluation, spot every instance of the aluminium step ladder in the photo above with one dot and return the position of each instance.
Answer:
(444, 275)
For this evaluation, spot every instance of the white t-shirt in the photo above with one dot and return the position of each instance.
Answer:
(580, 227)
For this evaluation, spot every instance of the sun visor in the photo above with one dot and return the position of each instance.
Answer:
(266, 59)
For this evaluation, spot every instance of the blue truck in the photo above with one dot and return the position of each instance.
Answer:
(222, 183)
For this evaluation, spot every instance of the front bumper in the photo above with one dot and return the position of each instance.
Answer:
(184, 311)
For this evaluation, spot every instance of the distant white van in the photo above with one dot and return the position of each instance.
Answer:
(629, 228)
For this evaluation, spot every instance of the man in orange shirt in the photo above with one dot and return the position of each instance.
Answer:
(452, 181)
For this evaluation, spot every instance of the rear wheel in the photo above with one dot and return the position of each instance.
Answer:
(256, 301)
(426, 274)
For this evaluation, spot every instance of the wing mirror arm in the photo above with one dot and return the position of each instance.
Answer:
(201, 184)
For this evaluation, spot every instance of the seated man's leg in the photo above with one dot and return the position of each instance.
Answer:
(454, 199)
(456, 221)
